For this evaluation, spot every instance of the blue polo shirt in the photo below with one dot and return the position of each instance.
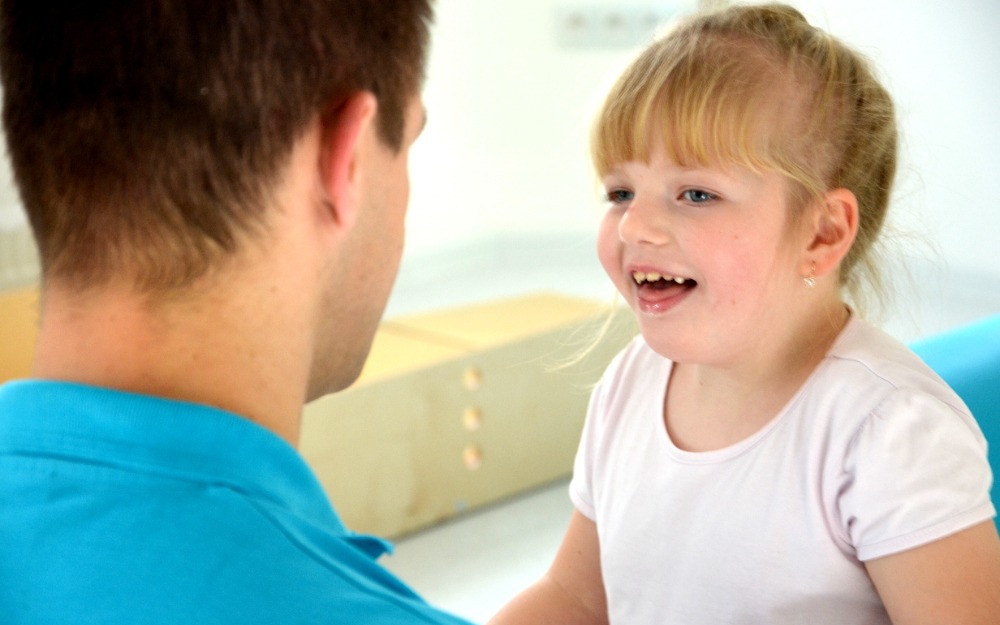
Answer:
(122, 508)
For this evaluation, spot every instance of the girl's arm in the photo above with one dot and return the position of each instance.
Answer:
(571, 592)
(955, 580)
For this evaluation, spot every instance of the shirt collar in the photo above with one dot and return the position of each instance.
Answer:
(144, 433)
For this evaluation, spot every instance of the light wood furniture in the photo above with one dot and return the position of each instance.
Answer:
(460, 408)
(18, 332)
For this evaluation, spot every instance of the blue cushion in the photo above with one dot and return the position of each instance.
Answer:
(968, 358)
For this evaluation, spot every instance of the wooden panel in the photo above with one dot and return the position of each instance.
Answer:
(398, 353)
(18, 332)
(401, 452)
(488, 324)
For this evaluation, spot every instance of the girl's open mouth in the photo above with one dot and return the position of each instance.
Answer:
(656, 290)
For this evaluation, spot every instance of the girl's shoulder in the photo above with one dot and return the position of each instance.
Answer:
(890, 428)
(868, 375)
(871, 360)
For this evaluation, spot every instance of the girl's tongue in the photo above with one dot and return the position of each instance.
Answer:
(656, 288)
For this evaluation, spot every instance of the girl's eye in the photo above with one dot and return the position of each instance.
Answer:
(697, 196)
(620, 196)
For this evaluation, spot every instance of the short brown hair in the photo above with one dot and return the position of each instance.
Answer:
(717, 79)
(146, 135)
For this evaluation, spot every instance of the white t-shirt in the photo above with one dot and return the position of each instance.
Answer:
(874, 455)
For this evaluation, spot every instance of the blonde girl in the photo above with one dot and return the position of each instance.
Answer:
(761, 454)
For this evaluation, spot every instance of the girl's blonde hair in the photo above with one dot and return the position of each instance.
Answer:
(758, 86)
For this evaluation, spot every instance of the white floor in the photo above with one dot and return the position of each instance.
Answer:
(473, 565)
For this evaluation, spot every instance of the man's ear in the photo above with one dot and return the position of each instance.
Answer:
(835, 225)
(344, 130)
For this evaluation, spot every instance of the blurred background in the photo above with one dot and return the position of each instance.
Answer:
(501, 175)
(502, 181)
(504, 202)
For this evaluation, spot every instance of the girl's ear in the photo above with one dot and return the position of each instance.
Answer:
(343, 155)
(835, 225)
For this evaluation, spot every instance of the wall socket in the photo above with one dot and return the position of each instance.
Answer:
(612, 25)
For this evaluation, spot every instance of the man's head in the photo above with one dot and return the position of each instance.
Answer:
(367, 185)
(147, 136)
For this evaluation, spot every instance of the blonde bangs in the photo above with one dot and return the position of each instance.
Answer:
(621, 130)
(703, 106)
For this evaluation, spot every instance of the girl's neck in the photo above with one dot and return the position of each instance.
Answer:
(709, 407)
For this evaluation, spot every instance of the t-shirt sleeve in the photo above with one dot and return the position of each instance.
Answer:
(600, 416)
(915, 472)
(581, 486)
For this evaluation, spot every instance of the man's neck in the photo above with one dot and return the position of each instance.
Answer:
(214, 347)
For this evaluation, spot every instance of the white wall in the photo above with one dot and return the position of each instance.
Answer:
(504, 150)
(505, 147)
(11, 215)
(940, 61)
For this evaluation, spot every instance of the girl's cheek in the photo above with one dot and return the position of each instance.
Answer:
(609, 248)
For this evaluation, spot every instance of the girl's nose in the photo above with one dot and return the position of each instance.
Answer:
(643, 223)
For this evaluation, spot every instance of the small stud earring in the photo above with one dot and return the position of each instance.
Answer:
(810, 280)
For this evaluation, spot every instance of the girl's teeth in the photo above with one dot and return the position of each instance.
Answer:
(641, 277)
